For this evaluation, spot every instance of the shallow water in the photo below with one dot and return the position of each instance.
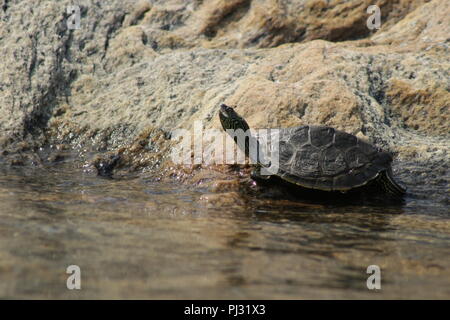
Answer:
(136, 239)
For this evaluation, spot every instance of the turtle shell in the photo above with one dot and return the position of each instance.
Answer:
(320, 157)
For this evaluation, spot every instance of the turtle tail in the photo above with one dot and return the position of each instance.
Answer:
(388, 184)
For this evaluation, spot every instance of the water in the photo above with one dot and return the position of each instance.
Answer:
(135, 239)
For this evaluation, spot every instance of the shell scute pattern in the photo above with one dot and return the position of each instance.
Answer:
(324, 158)
(344, 141)
(286, 153)
(355, 158)
(307, 162)
(321, 136)
(299, 136)
(333, 161)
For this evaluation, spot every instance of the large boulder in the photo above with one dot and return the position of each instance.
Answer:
(136, 70)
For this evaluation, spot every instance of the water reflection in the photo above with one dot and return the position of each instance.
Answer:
(136, 239)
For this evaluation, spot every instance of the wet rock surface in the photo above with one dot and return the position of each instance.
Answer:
(136, 70)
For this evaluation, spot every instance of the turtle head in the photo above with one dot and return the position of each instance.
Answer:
(230, 119)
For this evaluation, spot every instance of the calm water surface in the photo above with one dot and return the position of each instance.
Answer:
(135, 239)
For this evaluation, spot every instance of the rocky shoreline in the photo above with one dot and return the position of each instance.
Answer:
(136, 70)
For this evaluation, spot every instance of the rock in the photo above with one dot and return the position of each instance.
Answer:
(423, 28)
(105, 167)
(133, 73)
(269, 23)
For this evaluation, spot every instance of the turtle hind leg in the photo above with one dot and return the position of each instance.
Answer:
(388, 184)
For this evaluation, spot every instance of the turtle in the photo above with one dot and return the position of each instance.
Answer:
(321, 158)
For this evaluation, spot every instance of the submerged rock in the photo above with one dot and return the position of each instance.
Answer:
(136, 70)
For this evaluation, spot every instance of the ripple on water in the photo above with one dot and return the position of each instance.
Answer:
(137, 239)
